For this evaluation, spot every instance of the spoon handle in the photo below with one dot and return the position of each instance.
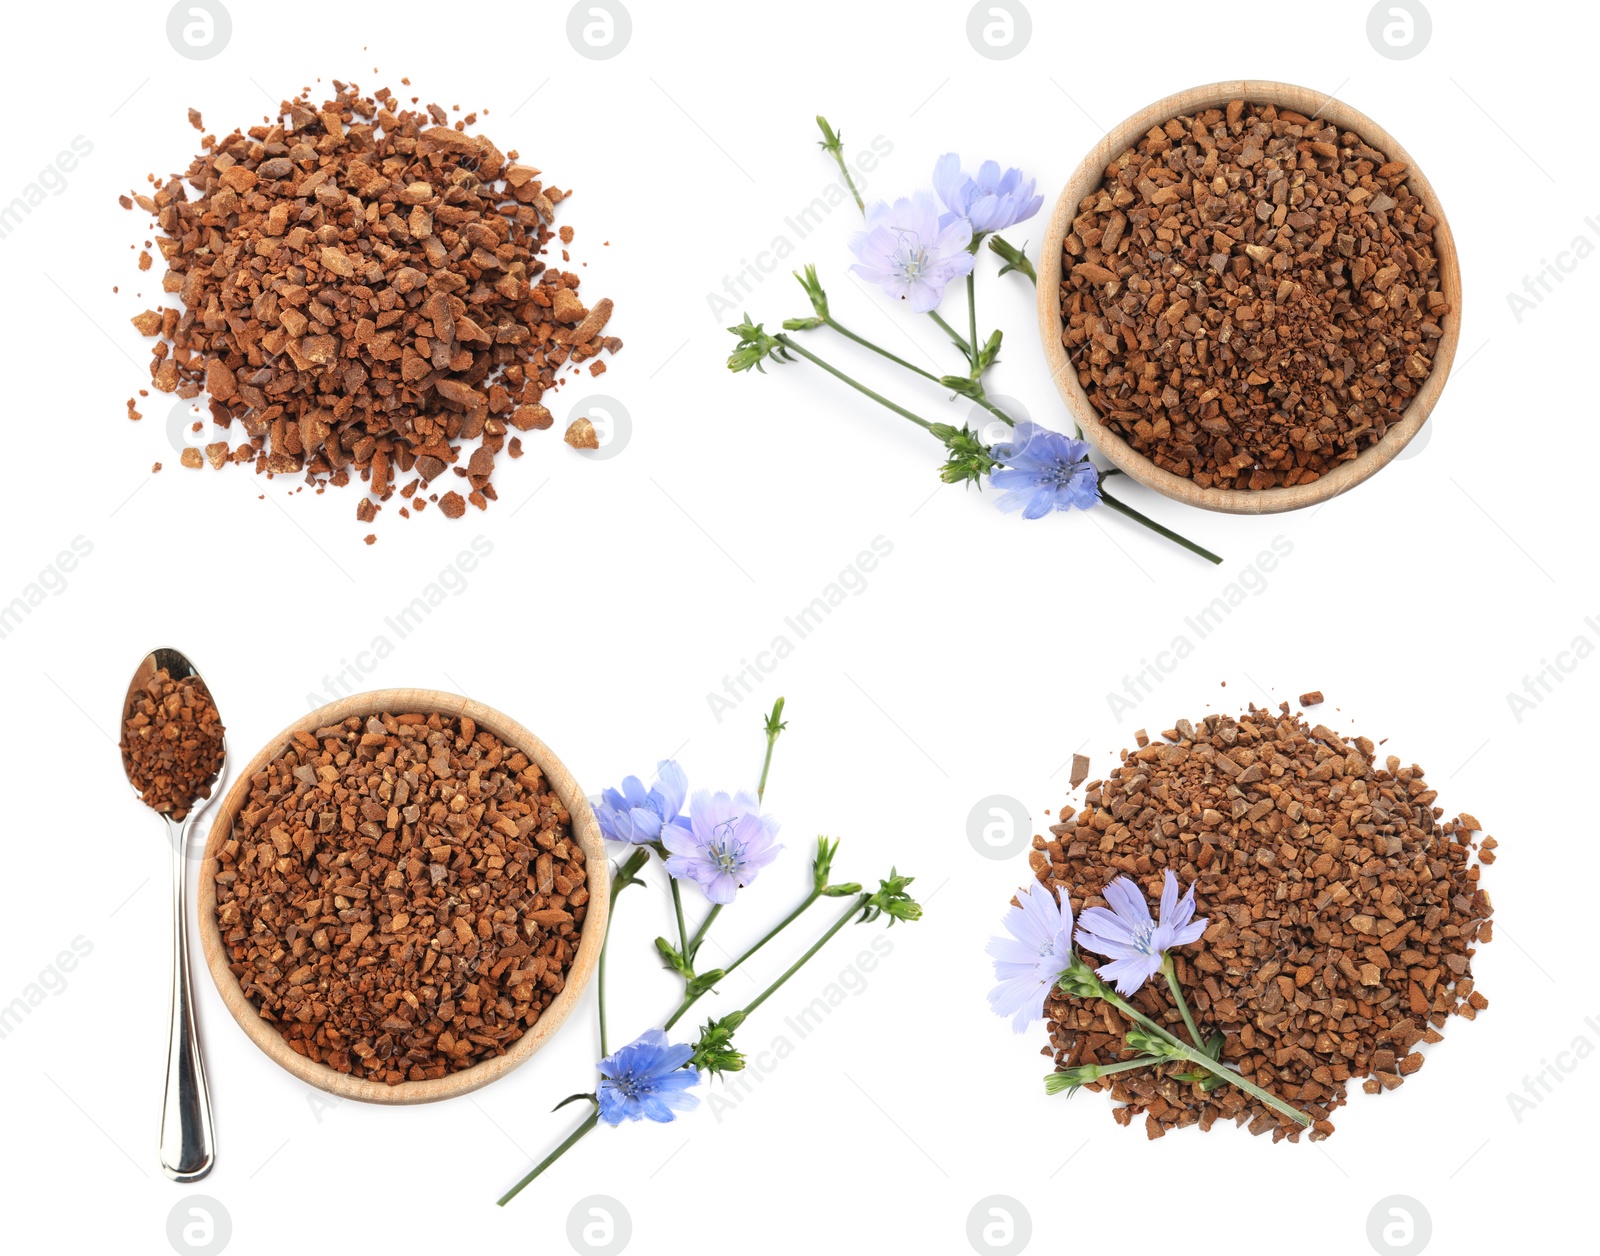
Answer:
(188, 1148)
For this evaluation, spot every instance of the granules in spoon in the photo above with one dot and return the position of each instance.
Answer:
(363, 289)
(1343, 914)
(172, 743)
(401, 896)
(1251, 297)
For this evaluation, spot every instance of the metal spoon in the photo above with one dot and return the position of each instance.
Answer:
(188, 1147)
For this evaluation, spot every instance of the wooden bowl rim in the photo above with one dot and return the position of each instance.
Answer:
(1089, 174)
(584, 827)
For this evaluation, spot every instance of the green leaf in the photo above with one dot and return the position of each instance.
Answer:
(822, 865)
(702, 982)
(891, 900)
(989, 352)
(714, 1051)
(1014, 258)
(814, 293)
(755, 347)
(675, 960)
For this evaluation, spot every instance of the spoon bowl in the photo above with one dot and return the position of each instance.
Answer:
(188, 1146)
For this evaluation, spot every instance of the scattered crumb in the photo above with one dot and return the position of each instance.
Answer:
(581, 435)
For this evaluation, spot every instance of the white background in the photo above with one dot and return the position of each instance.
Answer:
(975, 662)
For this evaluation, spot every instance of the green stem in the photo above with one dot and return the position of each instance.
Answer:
(981, 399)
(689, 1001)
(835, 145)
(1106, 1070)
(1123, 508)
(795, 967)
(972, 321)
(626, 875)
(954, 335)
(571, 1139)
(774, 728)
(995, 410)
(700, 933)
(1169, 969)
(789, 343)
(683, 929)
(878, 349)
(1199, 1057)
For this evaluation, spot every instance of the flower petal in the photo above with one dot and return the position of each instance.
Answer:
(947, 182)
(1128, 974)
(1041, 503)
(1106, 925)
(1128, 901)
(673, 784)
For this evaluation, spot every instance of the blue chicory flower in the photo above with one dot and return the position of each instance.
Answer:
(911, 251)
(638, 816)
(1044, 471)
(992, 201)
(725, 842)
(646, 1078)
(1029, 962)
(1128, 937)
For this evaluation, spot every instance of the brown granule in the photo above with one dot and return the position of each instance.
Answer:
(581, 435)
(1343, 915)
(452, 505)
(1252, 296)
(362, 288)
(154, 467)
(401, 896)
(191, 457)
(133, 412)
(172, 742)
(1314, 698)
(371, 538)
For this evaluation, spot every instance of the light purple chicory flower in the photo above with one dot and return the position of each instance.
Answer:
(991, 201)
(911, 251)
(1128, 937)
(646, 1079)
(638, 815)
(1032, 959)
(723, 844)
(1044, 471)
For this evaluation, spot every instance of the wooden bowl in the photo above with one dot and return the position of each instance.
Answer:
(1089, 175)
(584, 828)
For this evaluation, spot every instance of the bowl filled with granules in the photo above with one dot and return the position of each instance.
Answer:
(1249, 297)
(403, 896)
